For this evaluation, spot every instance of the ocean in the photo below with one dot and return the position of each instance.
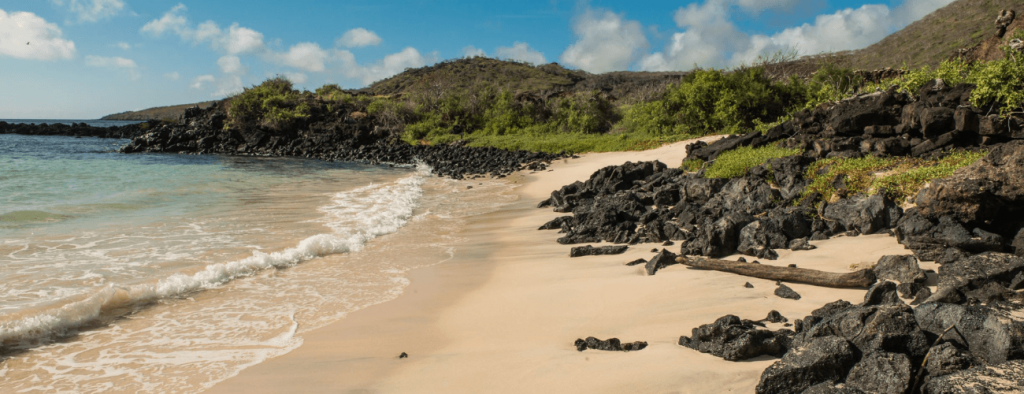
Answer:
(168, 273)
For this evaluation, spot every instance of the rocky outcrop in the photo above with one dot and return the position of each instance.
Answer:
(734, 339)
(611, 345)
(79, 129)
(347, 138)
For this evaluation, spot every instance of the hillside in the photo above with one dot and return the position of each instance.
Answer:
(171, 112)
(934, 38)
(474, 74)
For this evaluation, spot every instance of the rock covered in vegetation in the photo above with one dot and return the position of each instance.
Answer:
(335, 138)
(78, 129)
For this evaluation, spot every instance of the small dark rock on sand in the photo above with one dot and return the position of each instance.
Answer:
(785, 292)
(403, 355)
(592, 251)
(748, 285)
(636, 262)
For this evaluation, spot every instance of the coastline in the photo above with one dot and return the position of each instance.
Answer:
(501, 316)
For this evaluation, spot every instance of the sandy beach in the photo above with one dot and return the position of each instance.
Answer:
(502, 315)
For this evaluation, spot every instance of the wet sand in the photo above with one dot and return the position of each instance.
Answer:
(502, 315)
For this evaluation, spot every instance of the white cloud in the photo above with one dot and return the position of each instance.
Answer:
(202, 80)
(358, 37)
(242, 40)
(171, 21)
(91, 10)
(605, 42)
(472, 51)
(520, 51)
(24, 35)
(236, 40)
(711, 39)
(230, 64)
(124, 45)
(296, 78)
(174, 76)
(114, 62)
(391, 64)
(305, 56)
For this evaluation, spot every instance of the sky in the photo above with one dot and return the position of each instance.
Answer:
(83, 59)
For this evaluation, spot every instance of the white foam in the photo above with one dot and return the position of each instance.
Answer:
(355, 217)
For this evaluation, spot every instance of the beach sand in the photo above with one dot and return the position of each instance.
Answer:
(502, 315)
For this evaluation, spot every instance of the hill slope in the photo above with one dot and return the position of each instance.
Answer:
(170, 112)
(934, 38)
(471, 74)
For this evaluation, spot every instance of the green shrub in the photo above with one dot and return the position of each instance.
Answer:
(272, 104)
(506, 116)
(736, 162)
(651, 118)
(1000, 82)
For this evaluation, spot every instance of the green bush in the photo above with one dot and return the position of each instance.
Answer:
(736, 162)
(651, 118)
(1000, 82)
(272, 104)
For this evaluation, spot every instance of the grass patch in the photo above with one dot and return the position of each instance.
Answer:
(736, 162)
(692, 165)
(900, 178)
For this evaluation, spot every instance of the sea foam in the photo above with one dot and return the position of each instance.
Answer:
(355, 217)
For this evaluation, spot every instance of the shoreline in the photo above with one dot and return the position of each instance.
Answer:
(502, 317)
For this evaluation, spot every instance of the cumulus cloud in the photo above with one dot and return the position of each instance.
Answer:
(359, 37)
(202, 80)
(391, 64)
(305, 56)
(91, 10)
(235, 40)
(171, 21)
(604, 42)
(174, 76)
(230, 64)
(522, 52)
(128, 65)
(472, 51)
(710, 38)
(124, 45)
(24, 35)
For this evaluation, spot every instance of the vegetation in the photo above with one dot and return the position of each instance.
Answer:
(273, 104)
(737, 162)
(898, 177)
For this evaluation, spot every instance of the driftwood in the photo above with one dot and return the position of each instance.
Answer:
(859, 279)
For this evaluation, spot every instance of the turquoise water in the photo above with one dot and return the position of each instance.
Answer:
(163, 273)
(82, 182)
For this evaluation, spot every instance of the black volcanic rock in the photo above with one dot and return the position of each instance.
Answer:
(592, 251)
(733, 339)
(611, 344)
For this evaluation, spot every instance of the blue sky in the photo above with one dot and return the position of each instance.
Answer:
(84, 59)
